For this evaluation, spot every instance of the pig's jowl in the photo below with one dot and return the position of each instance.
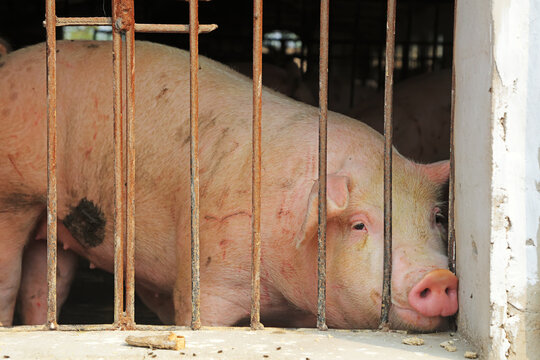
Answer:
(423, 291)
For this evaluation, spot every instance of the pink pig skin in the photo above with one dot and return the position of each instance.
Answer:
(289, 187)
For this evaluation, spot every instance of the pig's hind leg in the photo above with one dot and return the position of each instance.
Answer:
(15, 229)
(32, 302)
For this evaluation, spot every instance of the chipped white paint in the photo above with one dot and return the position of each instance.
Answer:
(500, 265)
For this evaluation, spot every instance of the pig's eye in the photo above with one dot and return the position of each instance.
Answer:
(440, 219)
(359, 226)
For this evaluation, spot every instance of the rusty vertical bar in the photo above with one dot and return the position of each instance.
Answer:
(256, 168)
(323, 115)
(194, 161)
(51, 165)
(118, 174)
(388, 98)
(451, 183)
(130, 198)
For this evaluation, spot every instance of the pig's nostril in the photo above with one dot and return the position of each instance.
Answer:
(425, 293)
(435, 294)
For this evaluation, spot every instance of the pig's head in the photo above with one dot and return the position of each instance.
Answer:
(424, 292)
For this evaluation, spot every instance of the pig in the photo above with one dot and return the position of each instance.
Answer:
(286, 80)
(421, 120)
(424, 292)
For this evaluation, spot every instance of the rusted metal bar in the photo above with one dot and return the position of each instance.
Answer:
(130, 133)
(451, 183)
(123, 19)
(388, 108)
(171, 28)
(51, 165)
(194, 162)
(25, 328)
(118, 179)
(146, 28)
(81, 21)
(323, 117)
(256, 168)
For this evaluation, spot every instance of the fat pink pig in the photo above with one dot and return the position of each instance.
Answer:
(423, 291)
(422, 107)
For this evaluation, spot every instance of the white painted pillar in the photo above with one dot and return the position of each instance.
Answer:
(497, 152)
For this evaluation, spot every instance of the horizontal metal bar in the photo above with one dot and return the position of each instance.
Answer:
(168, 28)
(87, 327)
(146, 28)
(69, 21)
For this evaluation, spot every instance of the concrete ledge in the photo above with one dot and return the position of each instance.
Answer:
(231, 343)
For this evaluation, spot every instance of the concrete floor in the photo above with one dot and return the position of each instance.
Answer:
(238, 343)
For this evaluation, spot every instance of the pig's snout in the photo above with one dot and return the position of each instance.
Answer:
(435, 294)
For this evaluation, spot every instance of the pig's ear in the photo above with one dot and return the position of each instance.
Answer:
(438, 172)
(337, 200)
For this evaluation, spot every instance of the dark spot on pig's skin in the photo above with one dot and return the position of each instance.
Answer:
(162, 92)
(208, 261)
(86, 223)
(93, 46)
(2, 63)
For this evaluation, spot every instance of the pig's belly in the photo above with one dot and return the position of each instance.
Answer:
(154, 261)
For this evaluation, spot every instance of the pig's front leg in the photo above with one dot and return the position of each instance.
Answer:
(215, 310)
(15, 229)
(33, 290)
(159, 303)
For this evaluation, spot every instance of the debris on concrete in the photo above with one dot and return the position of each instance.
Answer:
(471, 355)
(413, 341)
(448, 346)
(169, 341)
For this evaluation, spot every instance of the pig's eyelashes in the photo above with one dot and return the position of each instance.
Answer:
(359, 226)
